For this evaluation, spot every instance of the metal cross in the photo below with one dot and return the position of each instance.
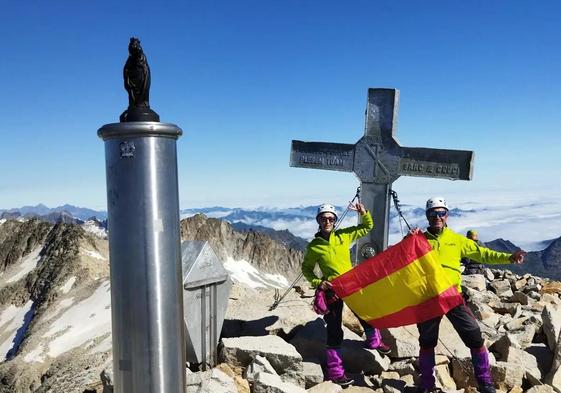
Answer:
(377, 159)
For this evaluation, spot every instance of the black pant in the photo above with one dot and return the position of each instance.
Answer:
(334, 319)
(464, 323)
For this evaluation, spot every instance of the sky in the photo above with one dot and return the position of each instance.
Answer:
(244, 78)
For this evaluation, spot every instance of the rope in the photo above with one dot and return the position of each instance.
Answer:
(397, 205)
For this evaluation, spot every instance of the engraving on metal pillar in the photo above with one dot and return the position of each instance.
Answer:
(127, 149)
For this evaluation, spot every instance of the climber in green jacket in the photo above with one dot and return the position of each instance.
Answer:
(330, 250)
(451, 247)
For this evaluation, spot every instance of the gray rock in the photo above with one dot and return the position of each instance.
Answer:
(443, 378)
(516, 324)
(540, 389)
(554, 376)
(281, 355)
(488, 273)
(326, 387)
(550, 298)
(501, 288)
(474, 281)
(525, 360)
(211, 381)
(551, 317)
(258, 364)
(106, 377)
(270, 383)
(520, 297)
(313, 374)
(506, 375)
(519, 284)
(403, 367)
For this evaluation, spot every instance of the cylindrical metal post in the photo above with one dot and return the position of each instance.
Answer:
(145, 257)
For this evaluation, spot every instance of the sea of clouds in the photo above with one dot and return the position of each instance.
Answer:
(528, 218)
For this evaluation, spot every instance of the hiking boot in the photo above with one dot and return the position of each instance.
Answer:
(335, 370)
(482, 369)
(382, 348)
(374, 341)
(426, 368)
(343, 381)
(486, 388)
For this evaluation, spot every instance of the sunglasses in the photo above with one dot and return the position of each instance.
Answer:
(327, 219)
(437, 213)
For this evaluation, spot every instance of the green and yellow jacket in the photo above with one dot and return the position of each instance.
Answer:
(333, 256)
(451, 247)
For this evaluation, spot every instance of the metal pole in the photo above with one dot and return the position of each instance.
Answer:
(145, 254)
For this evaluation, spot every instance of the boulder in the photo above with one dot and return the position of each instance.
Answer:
(259, 364)
(520, 297)
(501, 288)
(309, 340)
(211, 381)
(552, 287)
(554, 376)
(326, 387)
(313, 374)
(248, 313)
(488, 273)
(525, 360)
(519, 284)
(240, 351)
(506, 375)
(443, 378)
(271, 383)
(474, 281)
(551, 317)
(550, 298)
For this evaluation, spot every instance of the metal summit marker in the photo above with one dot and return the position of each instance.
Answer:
(144, 242)
(377, 159)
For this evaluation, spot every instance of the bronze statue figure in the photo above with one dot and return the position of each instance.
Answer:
(136, 74)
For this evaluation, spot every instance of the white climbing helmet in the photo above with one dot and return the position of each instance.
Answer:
(435, 202)
(326, 208)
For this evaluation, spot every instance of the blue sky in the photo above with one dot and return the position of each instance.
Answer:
(244, 78)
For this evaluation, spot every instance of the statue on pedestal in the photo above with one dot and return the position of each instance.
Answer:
(136, 75)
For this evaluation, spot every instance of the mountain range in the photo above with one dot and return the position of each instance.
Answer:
(294, 227)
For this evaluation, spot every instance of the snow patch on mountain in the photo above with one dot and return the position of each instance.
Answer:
(94, 227)
(20, 269)
(243, 272)
(93, 254)
(68, 285)
(77, 325)
(13, 324)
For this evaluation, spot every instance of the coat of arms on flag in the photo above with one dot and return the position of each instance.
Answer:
(403, 285)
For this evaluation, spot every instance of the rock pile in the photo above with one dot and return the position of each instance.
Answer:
(283, 350)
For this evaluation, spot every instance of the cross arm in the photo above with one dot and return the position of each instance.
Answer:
(322, 155)
(436, 163)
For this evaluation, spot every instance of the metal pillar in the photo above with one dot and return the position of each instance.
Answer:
(145, 255)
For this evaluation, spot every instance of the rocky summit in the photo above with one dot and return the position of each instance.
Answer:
(55, 329)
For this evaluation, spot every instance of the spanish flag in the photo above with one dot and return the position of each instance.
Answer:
(403, 285)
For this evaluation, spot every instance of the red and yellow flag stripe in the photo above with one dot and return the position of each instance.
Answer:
(403, 285)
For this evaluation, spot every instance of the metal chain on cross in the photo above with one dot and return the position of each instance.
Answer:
(277, 296)
(397, 205)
